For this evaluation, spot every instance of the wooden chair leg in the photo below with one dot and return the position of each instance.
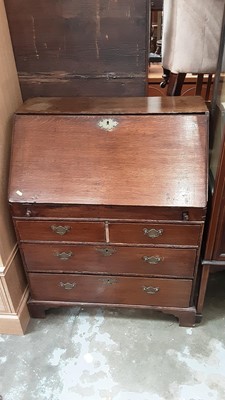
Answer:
(175, 84)
(166, 77)
(209, 83)
(198, 89)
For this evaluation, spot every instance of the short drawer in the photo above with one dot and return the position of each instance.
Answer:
(171, 234)
(109, 259)
(65, 231)
(110, 290)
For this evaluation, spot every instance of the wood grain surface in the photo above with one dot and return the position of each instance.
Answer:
(145, 161)
(113, 105)
(107, 259)
(171, 234)
(74, 231)
(106, 289)
(80, 48)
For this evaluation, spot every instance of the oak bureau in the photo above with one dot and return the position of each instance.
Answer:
(108, 198)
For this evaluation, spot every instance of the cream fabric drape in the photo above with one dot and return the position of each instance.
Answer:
(191, 35)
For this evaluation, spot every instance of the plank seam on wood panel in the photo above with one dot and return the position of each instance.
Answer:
(67, 77)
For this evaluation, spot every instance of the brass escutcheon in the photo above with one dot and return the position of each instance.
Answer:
(106, 251)
(150, 289)
(107, 124)
(64, 256)
(153, 233)
(60, 230)
(108, 281)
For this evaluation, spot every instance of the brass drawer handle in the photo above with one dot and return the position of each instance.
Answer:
(67, 285)
(108, 281)
(152, 259)
(64, 256)
(60, 230)
(106, 251)
(153, 233)
(150, 289)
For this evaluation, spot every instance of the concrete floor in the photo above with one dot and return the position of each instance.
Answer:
(92, 354)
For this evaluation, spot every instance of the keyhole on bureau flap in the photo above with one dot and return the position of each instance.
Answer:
(107, 124)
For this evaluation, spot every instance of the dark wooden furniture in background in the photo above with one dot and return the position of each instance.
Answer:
(108, 198)
(176, 83)
(80, 48)
(214, 255)
(155, 31)
(189, 86)
(156, 5)
(213, 258)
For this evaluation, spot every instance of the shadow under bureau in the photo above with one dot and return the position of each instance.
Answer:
(108, 198)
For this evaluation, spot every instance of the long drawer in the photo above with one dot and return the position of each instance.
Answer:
(61, 231)
(144, 233)
(109, 259)
(110, 290)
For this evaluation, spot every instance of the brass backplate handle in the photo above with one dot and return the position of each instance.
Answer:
(153, 233)
(152, 259)
(106, 251)
(60, 230)
(67, 285)
(64, 256)
(150, 289)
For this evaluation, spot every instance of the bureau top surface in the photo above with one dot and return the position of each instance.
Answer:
(126, 160)
(106, 105)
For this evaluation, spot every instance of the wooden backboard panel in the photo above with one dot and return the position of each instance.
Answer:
(80, 48)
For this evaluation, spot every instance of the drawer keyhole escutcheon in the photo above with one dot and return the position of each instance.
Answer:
(64, 256)
(60, 230)
(67, 285)
(150, 289)
(108, 281)
(107, 251)
(152, 259)
(108, 124)
(153, 233)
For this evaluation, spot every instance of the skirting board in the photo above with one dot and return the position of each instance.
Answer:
(16, 324)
